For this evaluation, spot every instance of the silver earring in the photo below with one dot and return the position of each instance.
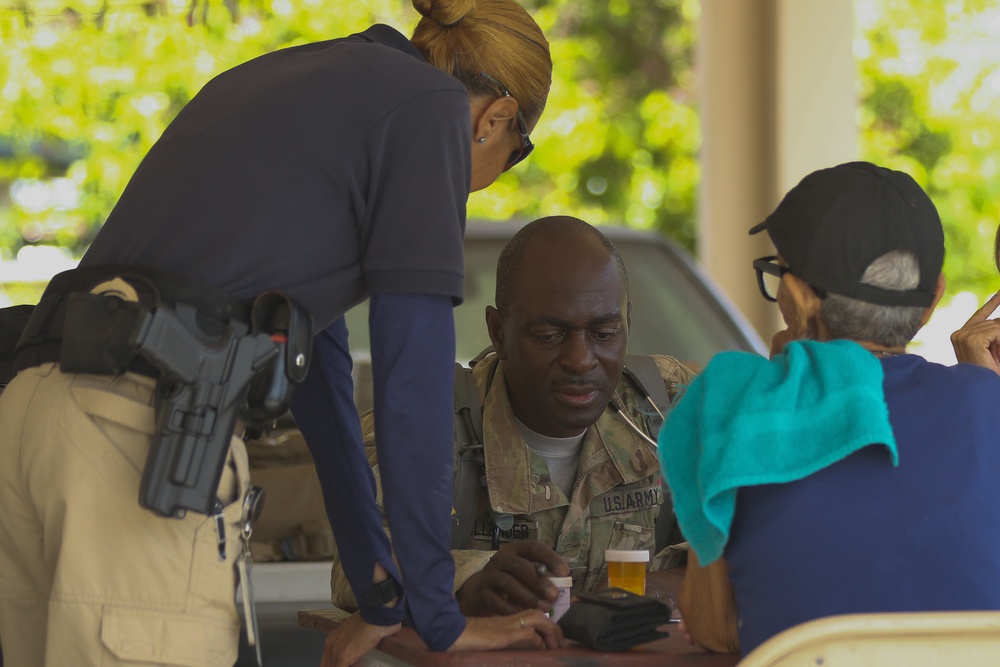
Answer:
(482, 140)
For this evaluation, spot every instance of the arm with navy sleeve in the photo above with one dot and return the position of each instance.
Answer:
(413, 356)
(323, 407)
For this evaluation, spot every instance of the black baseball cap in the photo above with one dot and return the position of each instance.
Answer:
(832, 225)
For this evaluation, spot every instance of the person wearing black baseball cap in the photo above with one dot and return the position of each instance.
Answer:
(831, 227)
(860, 469)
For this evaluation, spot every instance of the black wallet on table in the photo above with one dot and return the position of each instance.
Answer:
(614, 619)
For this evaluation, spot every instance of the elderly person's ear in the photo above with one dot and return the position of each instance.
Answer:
(800, 306)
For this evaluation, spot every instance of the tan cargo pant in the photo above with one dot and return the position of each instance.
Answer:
(87, 576)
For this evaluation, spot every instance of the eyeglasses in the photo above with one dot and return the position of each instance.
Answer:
(522, 128)
(769, 274)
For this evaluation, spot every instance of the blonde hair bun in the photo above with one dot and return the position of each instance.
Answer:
(446, 13)
(465, 38)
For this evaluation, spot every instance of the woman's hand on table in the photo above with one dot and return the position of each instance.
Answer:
(526, 628)
(345, 645)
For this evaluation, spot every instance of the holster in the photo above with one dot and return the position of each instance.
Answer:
(614, 619)
(200, 346)
(290, 327)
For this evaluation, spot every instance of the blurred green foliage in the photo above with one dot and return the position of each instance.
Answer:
(86, 87)
(930, 106)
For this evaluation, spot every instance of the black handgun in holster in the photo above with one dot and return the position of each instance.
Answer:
(202, 389)
(200, 392)
(204, 381)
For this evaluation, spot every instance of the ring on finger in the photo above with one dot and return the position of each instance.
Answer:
(521, 621)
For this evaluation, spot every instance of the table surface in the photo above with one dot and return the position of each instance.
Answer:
(406, 646)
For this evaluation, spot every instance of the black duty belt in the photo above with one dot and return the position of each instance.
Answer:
(42, 338)
(214, 358)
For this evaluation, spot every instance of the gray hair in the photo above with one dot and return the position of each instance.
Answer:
(890, 326)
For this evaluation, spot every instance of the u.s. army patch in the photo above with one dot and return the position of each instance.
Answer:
(623, 501)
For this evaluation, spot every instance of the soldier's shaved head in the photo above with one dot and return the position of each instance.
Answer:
(556, 228)
(560, 325)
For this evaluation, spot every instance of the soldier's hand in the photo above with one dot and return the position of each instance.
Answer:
(511, 581)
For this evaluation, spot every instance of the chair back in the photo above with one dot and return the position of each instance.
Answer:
(914, 639)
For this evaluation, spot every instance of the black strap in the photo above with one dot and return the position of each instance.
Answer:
(41, 339)
(383, 593)
(469, 459)
(644, 372)
(13, 320)
(210, 301)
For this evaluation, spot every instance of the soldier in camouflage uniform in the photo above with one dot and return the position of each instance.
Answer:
(560, 332)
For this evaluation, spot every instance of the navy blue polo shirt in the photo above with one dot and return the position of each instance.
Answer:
(864, 536)
(328, 170)
(333, 171)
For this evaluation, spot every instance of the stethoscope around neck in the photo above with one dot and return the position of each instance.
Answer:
(620, 410)
(500, 522)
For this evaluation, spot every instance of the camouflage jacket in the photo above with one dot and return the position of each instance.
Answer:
(614, 502)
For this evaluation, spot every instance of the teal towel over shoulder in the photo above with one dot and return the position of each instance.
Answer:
(748, 420)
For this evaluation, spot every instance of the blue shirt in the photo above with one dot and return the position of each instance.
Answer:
(413, 357)
(863, 536)
(329, 171)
